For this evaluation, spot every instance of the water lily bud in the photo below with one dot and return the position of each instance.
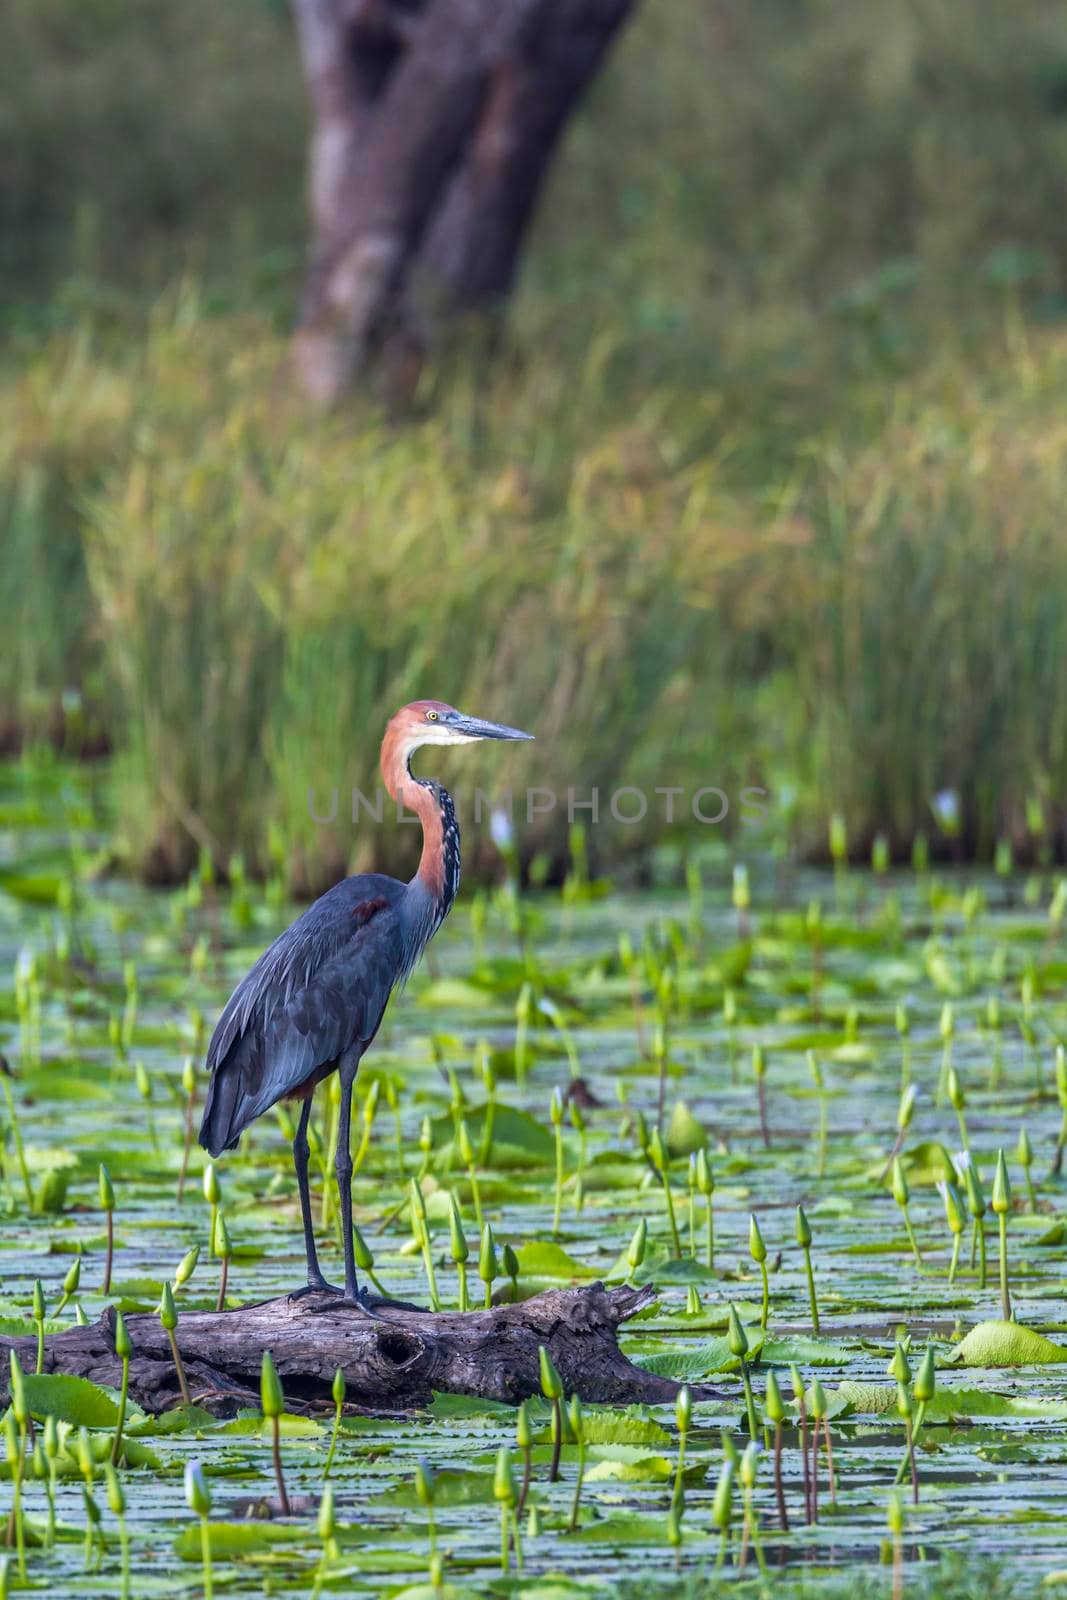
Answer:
(749, 1467)
(466, 1148)
(107, 1192)
(72, 1277)
(956, 1097)
(197, 1494)
(86, 1459)
(736, 1336)
(953, 1203)
(51, 1438)
(551, 1382)
(976, 1203)
(705, 1177)
(722, 1504)
(487, 1262)
(641, 1132)
(693, 1303)
(895, 1514)
(504, 1478)
(674, 1526)
(418, 1206)
(925, 1379)
(803, 1229)
(523, 1431)
(903, 1022)
(116, 1494)
(189, 1075)
(635, 1253)
(510, 1262)
(38, 1301)
(1001, 1186)
(756, 1247)
(361, 1250)
(683, 1409)
(424, 1482)
(905, 1406)
(212, 1189)
(906, 1108)
(657, 1152)
(168, 1316)
(270, 1387)
(186, 1266)
(459, 1249)
(123, 1348)
(327, 1520)
(223, 1246)
(773, 1403)
(992, 1013)
(574, 1417)
(370, 1099)
(759, 1061)
(947, 1024)
(426, 1136)
(796, 1380)
(899, 1183)
(143, 1081)
(1023, 1152)
(818, 1399)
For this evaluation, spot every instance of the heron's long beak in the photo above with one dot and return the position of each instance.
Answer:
(475, 728)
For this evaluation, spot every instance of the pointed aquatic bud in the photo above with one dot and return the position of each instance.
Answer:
(197, 1494)
(504, 1478)
(186, 1266)
(899, 1183)
(143, 1081)
(797, 1381)
(674, 1526)
(73, 1276)
(418, 1204)
(426, 1136)
(903, 1022)
(458, 1246)
(818, 1399)
(106, 1190)
(992, 1013)
(906, 1109)
(947, 1024)
(722, 1504)
(1001, 1187)
(704, 1176)
(51, 1438)
(972, 1183)
(692, 1301)
(270, 1387)
(168, 1316)
(635, 1254)
(641, 1132)
(736, 1336)
(510, 1262)
(523, 1431)
(38, 1301)
(485, 1065)
(683, 1409)
(551, 1382)
(487, 1262)
(123, 1348)
(212, 1189)
(905, 1407)
(189, 1075)
(86, 1459)
(466, 1148)
(894, 1515)
(657, 1152)
(756, 1247)
(956, 1097)
(953, 1206)
(361, 1251)
(814, 1068)
(1023, 1152)
(772, 1402)
(116, 1495)
(925, 1378)
(223, 1246)
(803, 1229)
(574, 1417)
(327, 1519)
(425, 1483)
(370, 1100)
(759, 1061)
(749, 1467)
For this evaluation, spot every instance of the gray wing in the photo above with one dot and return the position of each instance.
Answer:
(319, 990)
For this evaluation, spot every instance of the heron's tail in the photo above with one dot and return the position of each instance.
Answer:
(221, 1126)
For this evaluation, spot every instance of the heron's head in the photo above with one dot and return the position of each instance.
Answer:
(434, 722)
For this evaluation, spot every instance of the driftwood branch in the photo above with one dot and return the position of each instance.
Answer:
(392, 1362)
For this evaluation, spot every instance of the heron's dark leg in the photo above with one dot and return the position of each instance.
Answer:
(300, 1162)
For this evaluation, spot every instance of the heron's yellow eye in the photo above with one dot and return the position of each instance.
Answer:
(431, 716)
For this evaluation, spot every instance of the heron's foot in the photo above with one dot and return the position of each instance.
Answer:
(315, 1286)
(369, 1303)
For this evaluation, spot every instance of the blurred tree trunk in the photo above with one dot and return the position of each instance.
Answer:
(433, 126)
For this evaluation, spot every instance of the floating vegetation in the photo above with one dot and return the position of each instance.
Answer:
(911, 1412)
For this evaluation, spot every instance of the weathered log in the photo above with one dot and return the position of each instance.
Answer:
(392, 1362)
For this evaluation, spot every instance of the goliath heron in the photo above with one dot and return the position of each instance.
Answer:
(314, 1001)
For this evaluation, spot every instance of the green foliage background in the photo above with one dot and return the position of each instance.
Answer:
(766, 486)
